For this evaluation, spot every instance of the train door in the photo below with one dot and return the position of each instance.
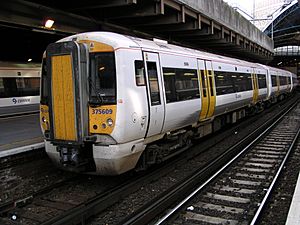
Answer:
(255, 86)
(207, 89)
(155, 94)
(66, 71)
(278, 85)
(288, 82)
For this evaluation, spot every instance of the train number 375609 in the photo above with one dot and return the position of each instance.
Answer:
(102, 111)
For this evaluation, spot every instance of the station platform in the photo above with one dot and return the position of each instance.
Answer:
(294, 215)
(19, 134)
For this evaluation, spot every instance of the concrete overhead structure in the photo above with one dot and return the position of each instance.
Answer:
(210, 25)
(225, 15)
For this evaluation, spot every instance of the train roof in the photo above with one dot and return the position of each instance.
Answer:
(124, 41)
(118, 41)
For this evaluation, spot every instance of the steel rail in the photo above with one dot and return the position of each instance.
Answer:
(24, 200)
(263, 202)
(82, 212)
(172, 211)
(156, 207)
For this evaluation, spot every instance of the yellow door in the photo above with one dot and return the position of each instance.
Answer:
(278, 85)
(255, 87)
(204, 95)
(63, 98)
(207, 89)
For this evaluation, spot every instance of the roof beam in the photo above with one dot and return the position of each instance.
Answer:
(22, 13)
(152, 8)
(96, 4)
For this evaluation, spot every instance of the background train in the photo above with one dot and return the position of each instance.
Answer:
(19, 88)
(111, 103)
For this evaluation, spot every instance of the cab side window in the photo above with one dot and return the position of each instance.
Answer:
(139, 73)
(153, 83)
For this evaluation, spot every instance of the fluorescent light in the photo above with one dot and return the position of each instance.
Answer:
(29, 60)
(49, 23)
(188, 74)
(43, 31)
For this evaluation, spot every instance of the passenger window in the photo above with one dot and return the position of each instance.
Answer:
(224, 83)
(211, 86)
(181, 84)
(19, 87)
(1, 88)
(262, 82)
(283, 81)
(153, 83)
(274, 81)
(229, 82)
(139, 73)
(203, 83)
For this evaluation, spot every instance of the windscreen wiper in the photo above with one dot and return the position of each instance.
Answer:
(98, 94)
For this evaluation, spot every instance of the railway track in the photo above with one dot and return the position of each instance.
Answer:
(238, 191)
(25, 200)
(65, 204)
(46, 209)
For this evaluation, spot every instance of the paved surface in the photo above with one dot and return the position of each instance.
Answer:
(19, 131)
(19, 109)
(294, 215)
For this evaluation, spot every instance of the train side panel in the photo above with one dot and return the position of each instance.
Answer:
(132, 104)
(183, 103)
(228, 97)
(262, 77)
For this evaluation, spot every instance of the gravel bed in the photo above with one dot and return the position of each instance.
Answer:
(118, 212)
(277, 210)
(22, 180)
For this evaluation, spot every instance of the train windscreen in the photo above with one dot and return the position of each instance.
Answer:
(44, 84)
(102, 78)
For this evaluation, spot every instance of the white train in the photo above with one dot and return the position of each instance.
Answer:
(19, 88)
(112, 102)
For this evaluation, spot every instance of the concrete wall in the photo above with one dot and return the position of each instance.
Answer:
(224, 14)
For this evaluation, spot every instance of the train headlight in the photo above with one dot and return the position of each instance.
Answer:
(103, 125)
(44, 119)
(109, 122)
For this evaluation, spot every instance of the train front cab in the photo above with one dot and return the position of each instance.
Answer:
(73, 108)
